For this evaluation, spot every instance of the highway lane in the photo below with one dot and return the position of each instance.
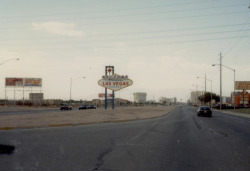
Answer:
(177, 141)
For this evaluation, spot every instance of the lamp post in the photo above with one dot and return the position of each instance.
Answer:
(71, 87)
(9, 60)
(196, 94)
(234, 81)
(205, 87)
(4, 63)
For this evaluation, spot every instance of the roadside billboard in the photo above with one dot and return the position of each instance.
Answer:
(32, 82)
(102, 95)
(23, 82)
(115, 82)
(240, 85)
(14, 82)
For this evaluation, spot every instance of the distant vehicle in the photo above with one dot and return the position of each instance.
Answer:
(83, 107)
(204, 110)
(92, 107)
(66, 107)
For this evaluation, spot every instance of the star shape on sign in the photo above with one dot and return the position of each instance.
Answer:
(109, 70)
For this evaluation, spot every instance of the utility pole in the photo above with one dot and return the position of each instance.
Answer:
(205, 83)
(220, 81)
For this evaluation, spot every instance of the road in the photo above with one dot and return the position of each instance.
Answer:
(177, 141)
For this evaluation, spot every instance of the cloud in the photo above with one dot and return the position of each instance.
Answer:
(65, 29)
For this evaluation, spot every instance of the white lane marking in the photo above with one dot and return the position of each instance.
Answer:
(201, 121)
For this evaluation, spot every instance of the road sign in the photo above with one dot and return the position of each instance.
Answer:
(115, 82)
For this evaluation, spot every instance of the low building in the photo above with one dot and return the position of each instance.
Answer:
(239, 99)
(36, 98)
(167, 101)
(140, 97)
(122, 102)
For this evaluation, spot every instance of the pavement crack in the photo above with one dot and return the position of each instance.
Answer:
(102, 155)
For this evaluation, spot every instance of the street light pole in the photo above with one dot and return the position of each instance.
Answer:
(221, 81)
(71, 89)
(4, 63)
(9, 60)
(205, 88)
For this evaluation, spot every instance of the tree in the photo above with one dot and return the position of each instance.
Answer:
(207, 97)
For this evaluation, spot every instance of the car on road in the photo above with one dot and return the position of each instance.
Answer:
(92, 107)
(66, 107)
(83, 107)
(204, 110)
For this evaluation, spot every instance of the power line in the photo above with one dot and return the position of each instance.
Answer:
(137, 45)
(154, 19)
(138, 8)
(233, 44)
(161, 37)
(147, 13)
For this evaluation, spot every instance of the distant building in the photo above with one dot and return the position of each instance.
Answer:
(36, 98)
(167, 101)
(239, 98)
(140, 97)
(52, 101)
(194, 99)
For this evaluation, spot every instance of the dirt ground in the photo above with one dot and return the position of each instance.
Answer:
(79, 117)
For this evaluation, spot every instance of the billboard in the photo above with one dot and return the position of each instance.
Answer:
(32, 82)
(102, 95)
(115, 82)
(14, 82)
(240, 85)
(23, 82)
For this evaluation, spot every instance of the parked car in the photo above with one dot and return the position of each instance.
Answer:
(66, 107)
(92, 107)
(204, 110)
(83, 107)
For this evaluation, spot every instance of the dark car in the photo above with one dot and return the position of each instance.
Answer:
(83, 107)
(204, 110)
(66, 107)
(92, 107)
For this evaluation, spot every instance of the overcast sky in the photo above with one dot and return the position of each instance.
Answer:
(162, 45)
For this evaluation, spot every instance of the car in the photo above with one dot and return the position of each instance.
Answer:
(92, 107)
(204, 110)
(83, 107)
(66, 107)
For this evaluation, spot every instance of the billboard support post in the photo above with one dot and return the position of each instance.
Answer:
(113, 92)
(108, 70)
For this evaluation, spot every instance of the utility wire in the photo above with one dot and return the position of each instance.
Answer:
(126, 15)
(133, 45)
(154, 37)
(153, 19)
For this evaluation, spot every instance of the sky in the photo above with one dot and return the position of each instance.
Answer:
(162, 45)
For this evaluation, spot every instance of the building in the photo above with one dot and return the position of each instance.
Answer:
(239, 99)
(167, 101)
(140, 97)
(194, 99)
(122, 102)
(36, 98)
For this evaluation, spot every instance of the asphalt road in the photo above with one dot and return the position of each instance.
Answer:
(177, 141)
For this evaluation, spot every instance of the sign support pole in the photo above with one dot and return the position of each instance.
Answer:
(243, 100)
(113, 92)
(106, 90)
